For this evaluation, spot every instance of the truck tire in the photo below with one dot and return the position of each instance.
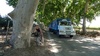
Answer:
(71, 36)
(49, 30)
(59, 35)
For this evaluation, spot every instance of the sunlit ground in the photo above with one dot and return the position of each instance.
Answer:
(90, 47)
(86, 39)
(2, 38)
(55, 48)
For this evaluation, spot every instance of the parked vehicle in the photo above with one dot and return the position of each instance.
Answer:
(62, 27)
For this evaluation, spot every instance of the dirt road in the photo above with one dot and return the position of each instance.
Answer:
(76, 46)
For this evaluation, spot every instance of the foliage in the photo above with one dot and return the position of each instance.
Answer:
(12, 2)
(48, 10)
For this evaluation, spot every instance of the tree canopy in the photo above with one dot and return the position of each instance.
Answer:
(74, 9)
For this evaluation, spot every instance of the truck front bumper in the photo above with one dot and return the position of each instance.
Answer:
(67, 33)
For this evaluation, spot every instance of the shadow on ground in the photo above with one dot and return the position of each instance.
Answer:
(74, 46)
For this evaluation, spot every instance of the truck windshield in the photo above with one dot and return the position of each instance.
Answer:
(65, 23)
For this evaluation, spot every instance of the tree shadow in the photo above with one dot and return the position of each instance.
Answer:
(74, 47)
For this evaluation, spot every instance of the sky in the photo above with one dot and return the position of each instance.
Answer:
(5, 9)
(94, 23)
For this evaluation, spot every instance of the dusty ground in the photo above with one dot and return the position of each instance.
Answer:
(55, 46)
(31, 51)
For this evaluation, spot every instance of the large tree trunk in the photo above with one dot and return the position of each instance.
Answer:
(22, 17)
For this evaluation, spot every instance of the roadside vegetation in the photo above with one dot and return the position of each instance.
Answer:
(91, 31)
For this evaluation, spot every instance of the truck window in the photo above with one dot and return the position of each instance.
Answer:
(65, 23)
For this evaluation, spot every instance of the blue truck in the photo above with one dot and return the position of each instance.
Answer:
(62, 27)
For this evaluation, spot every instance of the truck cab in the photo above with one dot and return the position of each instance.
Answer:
(65, 28)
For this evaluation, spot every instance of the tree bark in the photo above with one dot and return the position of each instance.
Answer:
(84, 26)
(23, 16)
(84, 17)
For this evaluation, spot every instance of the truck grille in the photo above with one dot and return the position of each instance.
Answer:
(68, 32)
(68, 28)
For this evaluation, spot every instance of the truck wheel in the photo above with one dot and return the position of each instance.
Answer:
(60, 35)
(71, 36)
(50, 30)
(54, 32)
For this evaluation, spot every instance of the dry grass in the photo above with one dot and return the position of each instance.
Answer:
(90, 33)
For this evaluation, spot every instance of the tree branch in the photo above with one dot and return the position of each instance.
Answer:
(11, 15)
